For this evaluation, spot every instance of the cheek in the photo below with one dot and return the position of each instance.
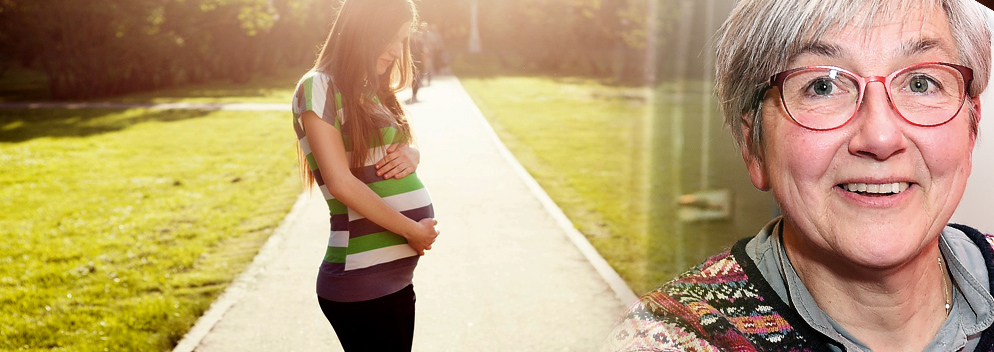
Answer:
(946, 155)
(946, 149)
(798, 156)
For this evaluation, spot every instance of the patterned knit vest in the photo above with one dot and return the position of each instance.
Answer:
(725, 304)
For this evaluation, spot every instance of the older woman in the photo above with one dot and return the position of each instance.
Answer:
(860, 116)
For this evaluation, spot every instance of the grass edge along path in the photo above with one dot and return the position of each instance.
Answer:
(121, 227)
(582, 141)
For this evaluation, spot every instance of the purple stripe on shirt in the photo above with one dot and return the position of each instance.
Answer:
(298, 130)
(317, 177)
(301, 100)
(336, 284)
(339, 268)
(362, 227)
(340, 222)
(330, 108)
(367, 174)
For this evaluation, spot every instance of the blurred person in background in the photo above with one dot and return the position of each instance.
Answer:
(430, 42)
(861, 118)
(440, 57)
(421, 55)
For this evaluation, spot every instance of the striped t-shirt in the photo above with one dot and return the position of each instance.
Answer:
(363, 260)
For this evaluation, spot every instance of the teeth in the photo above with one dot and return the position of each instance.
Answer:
(884, 188)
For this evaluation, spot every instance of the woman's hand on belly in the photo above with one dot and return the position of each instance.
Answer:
(423, 236)
(401, 160)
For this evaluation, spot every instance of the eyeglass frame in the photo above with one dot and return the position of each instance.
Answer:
(777, 81)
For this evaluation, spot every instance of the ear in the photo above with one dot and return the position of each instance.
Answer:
(757, 170)
(976, 110)
(976, 107)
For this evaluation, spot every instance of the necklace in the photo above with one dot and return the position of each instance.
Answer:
(945, 286)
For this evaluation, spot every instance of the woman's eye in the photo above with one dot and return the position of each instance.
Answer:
(919, 84)
(821, 87)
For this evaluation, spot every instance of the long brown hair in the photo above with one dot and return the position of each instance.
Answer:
(360, 33)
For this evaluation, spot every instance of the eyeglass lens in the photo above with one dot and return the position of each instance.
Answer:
(826, 98)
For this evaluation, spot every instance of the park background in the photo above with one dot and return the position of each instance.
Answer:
(121, 226)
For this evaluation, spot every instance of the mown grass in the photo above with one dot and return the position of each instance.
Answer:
(120, 227)
(584, 142)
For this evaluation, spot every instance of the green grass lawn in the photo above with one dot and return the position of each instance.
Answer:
(584, 142)
(120, 227)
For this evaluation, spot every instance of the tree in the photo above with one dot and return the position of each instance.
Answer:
(598, 37)
(107, 47)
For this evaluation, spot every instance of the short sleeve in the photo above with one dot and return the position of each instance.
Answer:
(316, 92)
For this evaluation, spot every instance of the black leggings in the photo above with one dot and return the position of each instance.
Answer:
(380, 324)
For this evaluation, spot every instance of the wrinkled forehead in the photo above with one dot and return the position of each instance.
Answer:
(858, 18)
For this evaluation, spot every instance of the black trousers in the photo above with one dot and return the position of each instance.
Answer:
(381, 324)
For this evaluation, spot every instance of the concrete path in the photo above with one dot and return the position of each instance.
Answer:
(508, 272)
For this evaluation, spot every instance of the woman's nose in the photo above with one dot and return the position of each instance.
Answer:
(879, 133)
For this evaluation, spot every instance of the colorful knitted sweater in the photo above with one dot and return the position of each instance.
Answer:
(725, 304)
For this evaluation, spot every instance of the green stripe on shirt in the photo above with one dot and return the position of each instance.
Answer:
(336, 207)
(389, 135)
(308, 98)
(393, 186)
(311, 161)
(374, 241)
(338, 110)
(335, 254)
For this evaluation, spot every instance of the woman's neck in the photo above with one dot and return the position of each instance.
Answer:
(894, 309)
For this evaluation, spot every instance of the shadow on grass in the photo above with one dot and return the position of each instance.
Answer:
(21, 125)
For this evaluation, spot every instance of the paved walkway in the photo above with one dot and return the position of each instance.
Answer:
(508, 272)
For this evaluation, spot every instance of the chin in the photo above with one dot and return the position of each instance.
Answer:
(862, 242)
(886, 248)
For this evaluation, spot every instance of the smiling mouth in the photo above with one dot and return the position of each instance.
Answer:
(875, 189)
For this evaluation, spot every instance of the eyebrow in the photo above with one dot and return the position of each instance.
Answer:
(919, 46)
(820, 49)
(910, 48)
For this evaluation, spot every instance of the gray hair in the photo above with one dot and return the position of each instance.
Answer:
(761, 37)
